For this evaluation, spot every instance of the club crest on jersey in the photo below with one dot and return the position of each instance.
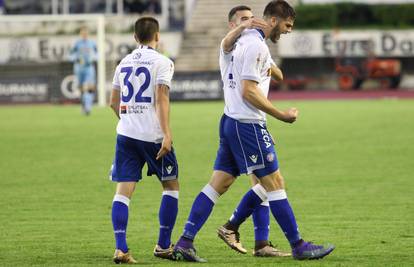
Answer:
(169, 169)
(253, 158)
(123, 110)
(137, 56)
(270, 157)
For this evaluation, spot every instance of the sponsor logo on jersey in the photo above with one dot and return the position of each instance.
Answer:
(253, 158)
(266, 138)
(123, 109)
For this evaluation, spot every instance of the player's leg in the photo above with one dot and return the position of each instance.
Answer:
(283, 213)
(166, 170)
(261, 221)
(120, 213)
(167, 216)
(126, 171)
(246, 148)
(200, 211)
(89, 89)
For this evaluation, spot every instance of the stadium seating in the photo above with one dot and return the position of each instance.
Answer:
(206, 28)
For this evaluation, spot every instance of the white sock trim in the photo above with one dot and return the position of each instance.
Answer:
(173, 194)
(211, 193)
(265, 203)
(122, 199)
(260, 191)
(277, 195)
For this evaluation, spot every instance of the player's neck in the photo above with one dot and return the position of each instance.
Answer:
(150, 45)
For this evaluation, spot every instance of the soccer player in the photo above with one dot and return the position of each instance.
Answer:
(84, 55)
(245, 144)
(140, 99)
(239, 19)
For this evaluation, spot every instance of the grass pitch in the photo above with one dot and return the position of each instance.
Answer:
(349, 168)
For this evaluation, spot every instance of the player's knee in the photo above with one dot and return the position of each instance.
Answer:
(126, 189)
(171, 185)
(221, 181)
(279, 180)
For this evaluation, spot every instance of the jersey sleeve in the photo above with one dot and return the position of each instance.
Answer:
(115, 82)
(165, 72)
(254, 57)
(224, 53)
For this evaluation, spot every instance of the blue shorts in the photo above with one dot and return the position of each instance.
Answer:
(85, 75)
(245, 148)
(131, 155)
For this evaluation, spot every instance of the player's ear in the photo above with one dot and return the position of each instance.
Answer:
(157, 37)
(274, 21)
(136, 38)
(231, 25)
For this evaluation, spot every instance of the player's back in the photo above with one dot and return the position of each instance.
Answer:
(250, 60)
(137, 76)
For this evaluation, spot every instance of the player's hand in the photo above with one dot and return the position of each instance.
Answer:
(254, 23)
(165, 147)
(290, 115)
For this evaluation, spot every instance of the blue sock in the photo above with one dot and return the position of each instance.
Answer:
(120, 221)
(201, 209)
(284, 216)
(167, 215)
(261, 222)
(250, 201)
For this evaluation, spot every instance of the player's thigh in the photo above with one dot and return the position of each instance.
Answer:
(166, 168)
(225, 161)
(128, 163)
(273, 181)
(251, 147)
(221, 181)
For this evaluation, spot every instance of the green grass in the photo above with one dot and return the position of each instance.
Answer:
(349, 167)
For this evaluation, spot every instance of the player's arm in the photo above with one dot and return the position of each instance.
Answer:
(254, 55)
(253, 95)
(276, 73)
(231, 37)
(114, 101)
(162, 105)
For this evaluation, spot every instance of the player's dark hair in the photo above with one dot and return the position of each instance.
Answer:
(235, 9)
(280, 9)
(146, 28)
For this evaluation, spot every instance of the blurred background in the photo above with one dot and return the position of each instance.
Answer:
(353, 49)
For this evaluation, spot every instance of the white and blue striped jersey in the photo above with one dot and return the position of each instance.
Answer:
(249, 60)
(137, 76)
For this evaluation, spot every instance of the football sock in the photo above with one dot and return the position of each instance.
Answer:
(167, 215)
(250, 201)
(261, 222)
(201, 209)
(120, 220)
(284, 216)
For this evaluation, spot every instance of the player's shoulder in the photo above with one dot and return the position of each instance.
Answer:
(162, 59)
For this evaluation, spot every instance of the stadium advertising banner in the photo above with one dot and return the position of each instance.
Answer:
(24, 90)
(56, 48)
(347, 43)
(196, 86)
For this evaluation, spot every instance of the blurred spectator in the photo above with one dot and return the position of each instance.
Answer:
(153, 6)
(142, 6)
(2, 8)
